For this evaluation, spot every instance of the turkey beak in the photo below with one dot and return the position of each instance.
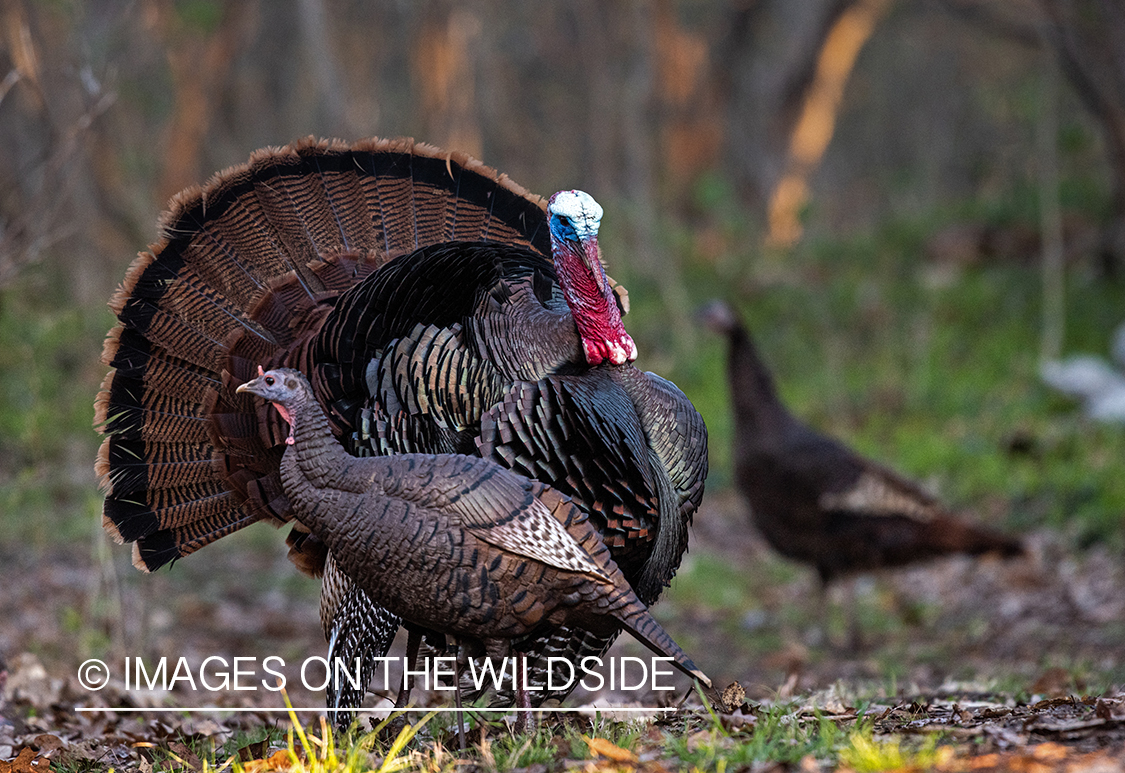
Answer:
(591, 256)
(246, 387)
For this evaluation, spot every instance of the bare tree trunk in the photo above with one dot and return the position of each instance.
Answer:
(319, 55)
(595, 43)
(767, 61)
(638, 108)
(1089, 39)
(1050, 221)
(815, 122)
(690, 116)
(46, 170)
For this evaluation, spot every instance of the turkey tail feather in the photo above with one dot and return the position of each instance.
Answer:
(644, 627)
(248, 267)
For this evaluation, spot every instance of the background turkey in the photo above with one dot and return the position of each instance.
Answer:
(416, 289)
(455, 544)
(817, 501)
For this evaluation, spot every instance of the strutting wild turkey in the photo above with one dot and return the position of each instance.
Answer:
(428, 299)
(817, 501)
(451, 543)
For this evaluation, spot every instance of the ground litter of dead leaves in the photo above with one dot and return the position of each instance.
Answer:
(1015, 665)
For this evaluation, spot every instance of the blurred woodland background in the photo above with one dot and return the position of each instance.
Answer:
(915, 203)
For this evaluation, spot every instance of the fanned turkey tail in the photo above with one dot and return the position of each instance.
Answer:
(247, 270)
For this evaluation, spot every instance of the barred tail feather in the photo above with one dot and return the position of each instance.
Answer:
(650, 633)
(248, 267)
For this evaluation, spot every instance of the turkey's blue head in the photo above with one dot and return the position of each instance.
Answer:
(574, 218)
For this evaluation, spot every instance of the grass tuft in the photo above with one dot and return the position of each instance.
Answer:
(863, 753)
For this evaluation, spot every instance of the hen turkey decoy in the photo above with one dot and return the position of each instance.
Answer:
(817, 501)
(436, 307)
(1098, 382)
(452, 543)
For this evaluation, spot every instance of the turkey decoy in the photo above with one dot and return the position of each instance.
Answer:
(817, 501)
(436, 307)
(454, 544)
(1099, 383)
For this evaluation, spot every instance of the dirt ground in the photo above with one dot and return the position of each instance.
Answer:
(1002, 655)
(1053, 611)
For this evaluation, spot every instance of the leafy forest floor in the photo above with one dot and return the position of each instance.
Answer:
(963, 665)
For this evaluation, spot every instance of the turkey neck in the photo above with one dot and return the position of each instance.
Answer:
(758, 411)
(315, 458)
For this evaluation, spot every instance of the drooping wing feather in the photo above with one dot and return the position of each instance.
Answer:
(582, 435)
(498, 506)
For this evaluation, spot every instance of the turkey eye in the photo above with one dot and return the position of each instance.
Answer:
(269, 380)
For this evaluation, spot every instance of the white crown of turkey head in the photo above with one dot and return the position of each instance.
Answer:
(574, 218)
(577, 211)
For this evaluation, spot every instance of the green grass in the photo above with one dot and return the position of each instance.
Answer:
(49, 375)
(865, 754)
(702, 742)
(779, 734)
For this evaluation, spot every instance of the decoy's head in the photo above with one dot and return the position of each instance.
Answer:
(284, 387)
(574, 218)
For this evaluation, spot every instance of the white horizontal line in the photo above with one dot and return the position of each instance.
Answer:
(442, 709)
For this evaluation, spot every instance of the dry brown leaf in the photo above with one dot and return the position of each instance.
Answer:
(1053, 752)
(185, 755)
(253, 751)
(984, 762)
(1109, 709)
(47, 743)
(279, 761)
(609, 750)
(1045, 758)
(1054, 683)
(737, 720)
(699, 738)
(26, 762)
(1095, 762)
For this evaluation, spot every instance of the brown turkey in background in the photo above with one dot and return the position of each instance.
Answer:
(817, 501)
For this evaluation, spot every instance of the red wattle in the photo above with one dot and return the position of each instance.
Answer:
(593, 306)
